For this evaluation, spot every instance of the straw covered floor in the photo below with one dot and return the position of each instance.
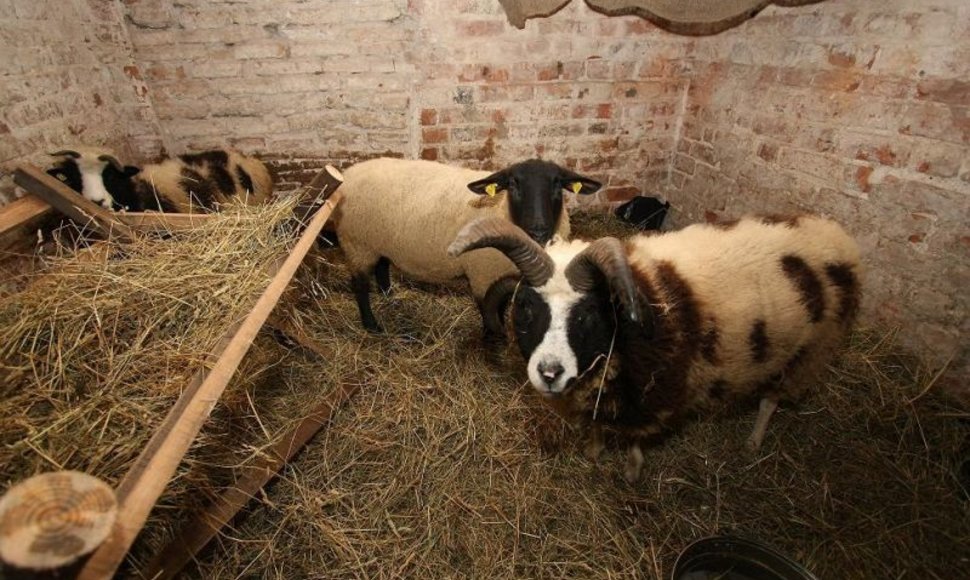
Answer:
(444, 464)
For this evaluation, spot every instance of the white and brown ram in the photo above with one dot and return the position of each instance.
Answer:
(637, 336)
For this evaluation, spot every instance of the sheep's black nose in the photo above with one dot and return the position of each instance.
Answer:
(550, 372)
(541, 236)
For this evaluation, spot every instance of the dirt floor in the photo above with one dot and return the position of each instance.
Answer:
(446, 465)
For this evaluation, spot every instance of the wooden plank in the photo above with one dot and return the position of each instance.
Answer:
(198, 533)
(154, 221)
(70, 203)
(155, 466)
(21, 211)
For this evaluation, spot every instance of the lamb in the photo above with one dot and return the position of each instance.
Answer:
(405, 213)
(191, 181)
(637, 336)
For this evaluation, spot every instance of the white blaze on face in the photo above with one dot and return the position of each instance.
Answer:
(554, 349)
(92, 182)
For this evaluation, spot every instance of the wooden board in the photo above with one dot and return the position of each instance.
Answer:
(21, 211)
(198, 533)
(156, 465)
(67, 201)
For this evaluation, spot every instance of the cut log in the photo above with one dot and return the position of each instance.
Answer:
(70, 203)
(52, 519)
(155, 466)
(197, 534)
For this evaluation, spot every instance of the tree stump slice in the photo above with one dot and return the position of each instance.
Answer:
(52, 519)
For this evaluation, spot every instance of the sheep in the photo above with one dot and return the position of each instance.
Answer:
(197, 180)
(405, 213)
(637, 336)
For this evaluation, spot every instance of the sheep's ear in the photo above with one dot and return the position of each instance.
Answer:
(577, 183)
(491, 185)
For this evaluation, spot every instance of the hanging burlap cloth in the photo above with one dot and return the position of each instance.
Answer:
(694, 17)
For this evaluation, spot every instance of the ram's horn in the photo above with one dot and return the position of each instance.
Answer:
(605, 258)
(527, 255)
(65, 153)
(113, 161)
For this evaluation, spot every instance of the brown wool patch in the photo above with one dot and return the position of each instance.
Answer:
(758, 339)
(842, 276)
(717, 389)
(709, 343)
(808, 285)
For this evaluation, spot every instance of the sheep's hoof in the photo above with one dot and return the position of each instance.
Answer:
(634, 464)
(631, 474)
(593, 450)
(753, 444)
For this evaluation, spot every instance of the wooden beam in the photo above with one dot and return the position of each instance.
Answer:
(21, 211)
(154, 221)
(155, 466)
(198, 533)
(70, 203)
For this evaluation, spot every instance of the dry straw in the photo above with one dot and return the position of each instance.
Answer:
(445, 465)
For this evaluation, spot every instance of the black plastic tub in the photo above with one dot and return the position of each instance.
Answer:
(731, 558)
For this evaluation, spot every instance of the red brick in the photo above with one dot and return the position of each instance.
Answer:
(622, 193)
(549, 72)
(949, 91)
(862, 177)
(481, 28)
(429, 117)
(684, 164)
(768, 151)
(840, 59)
(429, 153)
(496, 75)
(436, 135)
(598, 69)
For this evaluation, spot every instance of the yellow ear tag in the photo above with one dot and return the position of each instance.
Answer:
(491, 189)
(577, 186)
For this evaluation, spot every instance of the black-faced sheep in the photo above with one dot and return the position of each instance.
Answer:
(407, 212)
(187, 183)
(637, 336)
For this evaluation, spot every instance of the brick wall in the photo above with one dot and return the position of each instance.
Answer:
(66, 77)
(300, 82)
(600, 95)
(855, 109)
(337, 81)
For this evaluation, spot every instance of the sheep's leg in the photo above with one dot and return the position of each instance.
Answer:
(382, 273)
(594, 445)
(634, 462)
(360, 283)
(765, 410)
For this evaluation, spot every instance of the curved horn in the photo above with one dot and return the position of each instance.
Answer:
(65, 153)
(496, 302)
(605, 256)
(528, 256)
(113, 161)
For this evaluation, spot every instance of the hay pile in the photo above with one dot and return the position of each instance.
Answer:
(97, 349)
(446, 465)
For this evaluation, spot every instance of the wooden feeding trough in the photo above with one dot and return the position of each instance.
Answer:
(149, 475)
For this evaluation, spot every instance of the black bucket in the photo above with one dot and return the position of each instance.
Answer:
(730, 558)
